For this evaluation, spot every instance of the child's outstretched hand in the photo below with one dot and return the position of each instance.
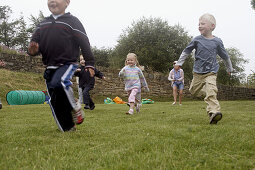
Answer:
(33, 48)
(122, 72)
(105, 79)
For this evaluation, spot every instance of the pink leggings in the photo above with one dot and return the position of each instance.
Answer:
(134, 95)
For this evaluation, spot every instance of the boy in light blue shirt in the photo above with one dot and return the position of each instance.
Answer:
(206, 66)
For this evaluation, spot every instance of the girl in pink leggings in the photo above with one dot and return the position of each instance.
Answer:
(134, 81)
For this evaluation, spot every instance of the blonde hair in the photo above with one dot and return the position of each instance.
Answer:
(210, 18)
(135, 57)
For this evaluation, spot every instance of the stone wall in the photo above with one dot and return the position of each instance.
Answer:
(161, 87)
(235, 93)
(114, 86)
(22, 62)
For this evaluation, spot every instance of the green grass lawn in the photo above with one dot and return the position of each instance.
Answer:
(162, 136)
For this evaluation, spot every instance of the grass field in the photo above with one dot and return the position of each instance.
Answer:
(162, 136)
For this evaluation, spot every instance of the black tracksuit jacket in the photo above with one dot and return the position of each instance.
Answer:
(61, 39)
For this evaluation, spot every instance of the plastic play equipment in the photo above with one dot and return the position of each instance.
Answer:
(118, 100)
(147, 101)
(108, 101)
(21, 97)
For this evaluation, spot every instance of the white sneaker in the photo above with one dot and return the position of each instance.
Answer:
(78, 114)
(138, 107)
(130, 112)
(173, 103)
(180, 104)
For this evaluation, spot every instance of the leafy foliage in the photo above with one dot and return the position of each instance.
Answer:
(101, 56)
(253, 4)
(251, 80)
(21, 35)
(155, 42)
(15, 33)
(238, 62)
(7, 28)
(35, 21)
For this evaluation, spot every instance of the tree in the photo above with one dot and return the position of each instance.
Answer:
(7, 28)
(101, 56)
(15, 34)
(156, 43)
(238, 62)
(251, 80)
(35, 21)
(21, 35)
(253, 4)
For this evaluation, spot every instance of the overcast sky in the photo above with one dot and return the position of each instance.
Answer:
(105, 20)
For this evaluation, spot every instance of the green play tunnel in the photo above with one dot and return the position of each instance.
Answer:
(21, 97)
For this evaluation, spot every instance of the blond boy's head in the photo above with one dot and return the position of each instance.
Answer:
(210, 18)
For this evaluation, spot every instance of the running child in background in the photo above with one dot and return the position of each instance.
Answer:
(176, 76)
(87, 83)
(134, 81)
(78, 86)
(206, 66)
(59, 38)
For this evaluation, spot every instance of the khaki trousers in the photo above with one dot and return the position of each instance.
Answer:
(206, 84)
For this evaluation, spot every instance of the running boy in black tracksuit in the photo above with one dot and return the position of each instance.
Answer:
(59, 38)
(87, 83)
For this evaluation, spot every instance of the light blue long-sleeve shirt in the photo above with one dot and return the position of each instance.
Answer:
(206, 55)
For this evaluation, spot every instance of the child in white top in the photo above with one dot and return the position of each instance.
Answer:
(176, 76)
